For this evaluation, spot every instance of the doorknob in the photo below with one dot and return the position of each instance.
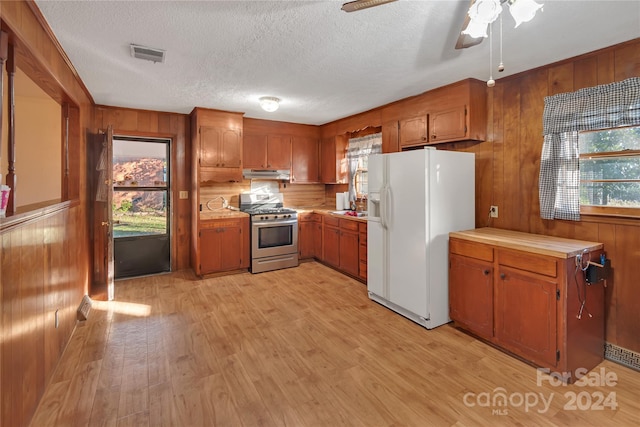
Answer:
(104, 223)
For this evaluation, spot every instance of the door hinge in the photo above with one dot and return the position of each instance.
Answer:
(558, 294)
(200, 207)
(557, 355)
(199, 233)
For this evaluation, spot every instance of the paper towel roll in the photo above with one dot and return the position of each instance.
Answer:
(346, 203)
(339, 201)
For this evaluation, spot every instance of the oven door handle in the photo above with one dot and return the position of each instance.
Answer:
(275, 223)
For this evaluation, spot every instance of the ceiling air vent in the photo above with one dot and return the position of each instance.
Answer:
(147, 53)
(354, 6)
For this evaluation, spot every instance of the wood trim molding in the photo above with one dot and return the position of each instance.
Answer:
(34, 214)
(45, 26)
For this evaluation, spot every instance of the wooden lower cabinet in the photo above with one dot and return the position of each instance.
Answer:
(362, 265)
(470, 293)
(331, 241)
(317, 235)
(521, 292)
(526, 314)
(224, 245)
(339, 243)
(349, 247)
(306, 236)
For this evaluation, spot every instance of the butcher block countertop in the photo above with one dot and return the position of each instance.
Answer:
(222, 214)
(557, 247)
(328, 211)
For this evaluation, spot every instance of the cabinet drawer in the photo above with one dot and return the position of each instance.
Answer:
(304, 217)
(347, 224)
(470, 249)
(528, 262)
(220, 223)
(331, 221)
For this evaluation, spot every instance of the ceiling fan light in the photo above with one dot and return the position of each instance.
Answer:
(523, 10)
(485, 11)
(269, 103)
(476, 29)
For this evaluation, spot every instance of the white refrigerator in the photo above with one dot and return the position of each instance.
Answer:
(415, 199)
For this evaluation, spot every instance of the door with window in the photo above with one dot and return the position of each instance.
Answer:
(141, 206)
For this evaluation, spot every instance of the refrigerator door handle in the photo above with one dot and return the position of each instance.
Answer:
(387, 205)
(383, 207)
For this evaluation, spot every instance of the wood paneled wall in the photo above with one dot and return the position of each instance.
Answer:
(508, 163)
(516, 105)
(141, 123)
(40, 276)
(44, 262)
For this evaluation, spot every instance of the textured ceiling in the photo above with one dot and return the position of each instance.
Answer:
(323, 63)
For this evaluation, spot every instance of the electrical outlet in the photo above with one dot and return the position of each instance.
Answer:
(184, 194)
(493, 212)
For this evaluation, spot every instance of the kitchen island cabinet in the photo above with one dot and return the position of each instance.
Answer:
(523, 293)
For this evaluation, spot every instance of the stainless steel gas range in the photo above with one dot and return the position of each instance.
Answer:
(274, 232)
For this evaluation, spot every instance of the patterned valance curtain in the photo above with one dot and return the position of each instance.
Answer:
(601, 107)
(357, 149)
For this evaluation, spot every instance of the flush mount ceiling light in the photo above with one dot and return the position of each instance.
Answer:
(269, 103)
(354, 6)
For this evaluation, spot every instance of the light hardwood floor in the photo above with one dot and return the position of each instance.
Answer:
(296, 347)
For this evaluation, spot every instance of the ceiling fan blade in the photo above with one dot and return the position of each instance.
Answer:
(464, 40)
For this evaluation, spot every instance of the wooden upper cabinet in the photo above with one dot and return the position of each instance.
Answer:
(457, 112)
(254, 154)
(220, 148)
(333, 160)
(448, 125)
(305, 165)
(267, 151)
(413, 131)
(278, 152)
(390, 137)
(217, 145)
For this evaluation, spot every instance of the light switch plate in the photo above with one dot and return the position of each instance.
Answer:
(184, 194)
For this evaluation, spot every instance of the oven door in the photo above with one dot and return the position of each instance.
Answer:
(272, 238)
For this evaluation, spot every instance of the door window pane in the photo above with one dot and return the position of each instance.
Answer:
(139, 213)
(139, 163)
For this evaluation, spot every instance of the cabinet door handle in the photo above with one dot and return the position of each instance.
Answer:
(269, 166)
(424, 138)
(502, 275)
(222, 164)
(486, 272)
(433, 137)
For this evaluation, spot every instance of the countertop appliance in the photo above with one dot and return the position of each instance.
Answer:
(415, 199)
(274, 231)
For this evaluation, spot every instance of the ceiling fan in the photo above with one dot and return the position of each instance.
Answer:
(482, 13)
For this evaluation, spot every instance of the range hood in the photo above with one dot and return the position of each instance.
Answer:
(282, 174)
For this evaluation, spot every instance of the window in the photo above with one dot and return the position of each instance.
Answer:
(361, 178)
(358, 152)
(610, 171)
